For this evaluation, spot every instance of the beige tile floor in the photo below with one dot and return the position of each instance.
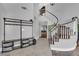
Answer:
(40, 49)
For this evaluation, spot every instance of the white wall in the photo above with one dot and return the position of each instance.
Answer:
(36, 21)
(2, 13)
(64, 11)
(15, 11)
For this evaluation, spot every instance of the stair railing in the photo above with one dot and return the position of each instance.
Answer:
(55, 26)
(50, 27)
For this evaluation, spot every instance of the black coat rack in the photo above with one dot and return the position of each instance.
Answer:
(20, 23)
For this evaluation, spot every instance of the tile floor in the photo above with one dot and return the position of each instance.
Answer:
(40, 49)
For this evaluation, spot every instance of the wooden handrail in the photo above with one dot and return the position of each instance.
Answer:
(63, 24)
(56, 19)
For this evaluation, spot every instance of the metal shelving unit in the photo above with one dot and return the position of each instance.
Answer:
(10, 43)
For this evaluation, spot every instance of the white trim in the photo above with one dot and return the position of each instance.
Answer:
(63, 49)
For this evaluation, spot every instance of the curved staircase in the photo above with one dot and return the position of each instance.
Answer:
(63, 36)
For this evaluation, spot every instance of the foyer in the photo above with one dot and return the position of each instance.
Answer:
(39, 29)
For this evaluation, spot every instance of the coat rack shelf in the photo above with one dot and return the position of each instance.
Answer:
(9, 45)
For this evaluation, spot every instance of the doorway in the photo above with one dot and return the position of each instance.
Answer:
(43, 30)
